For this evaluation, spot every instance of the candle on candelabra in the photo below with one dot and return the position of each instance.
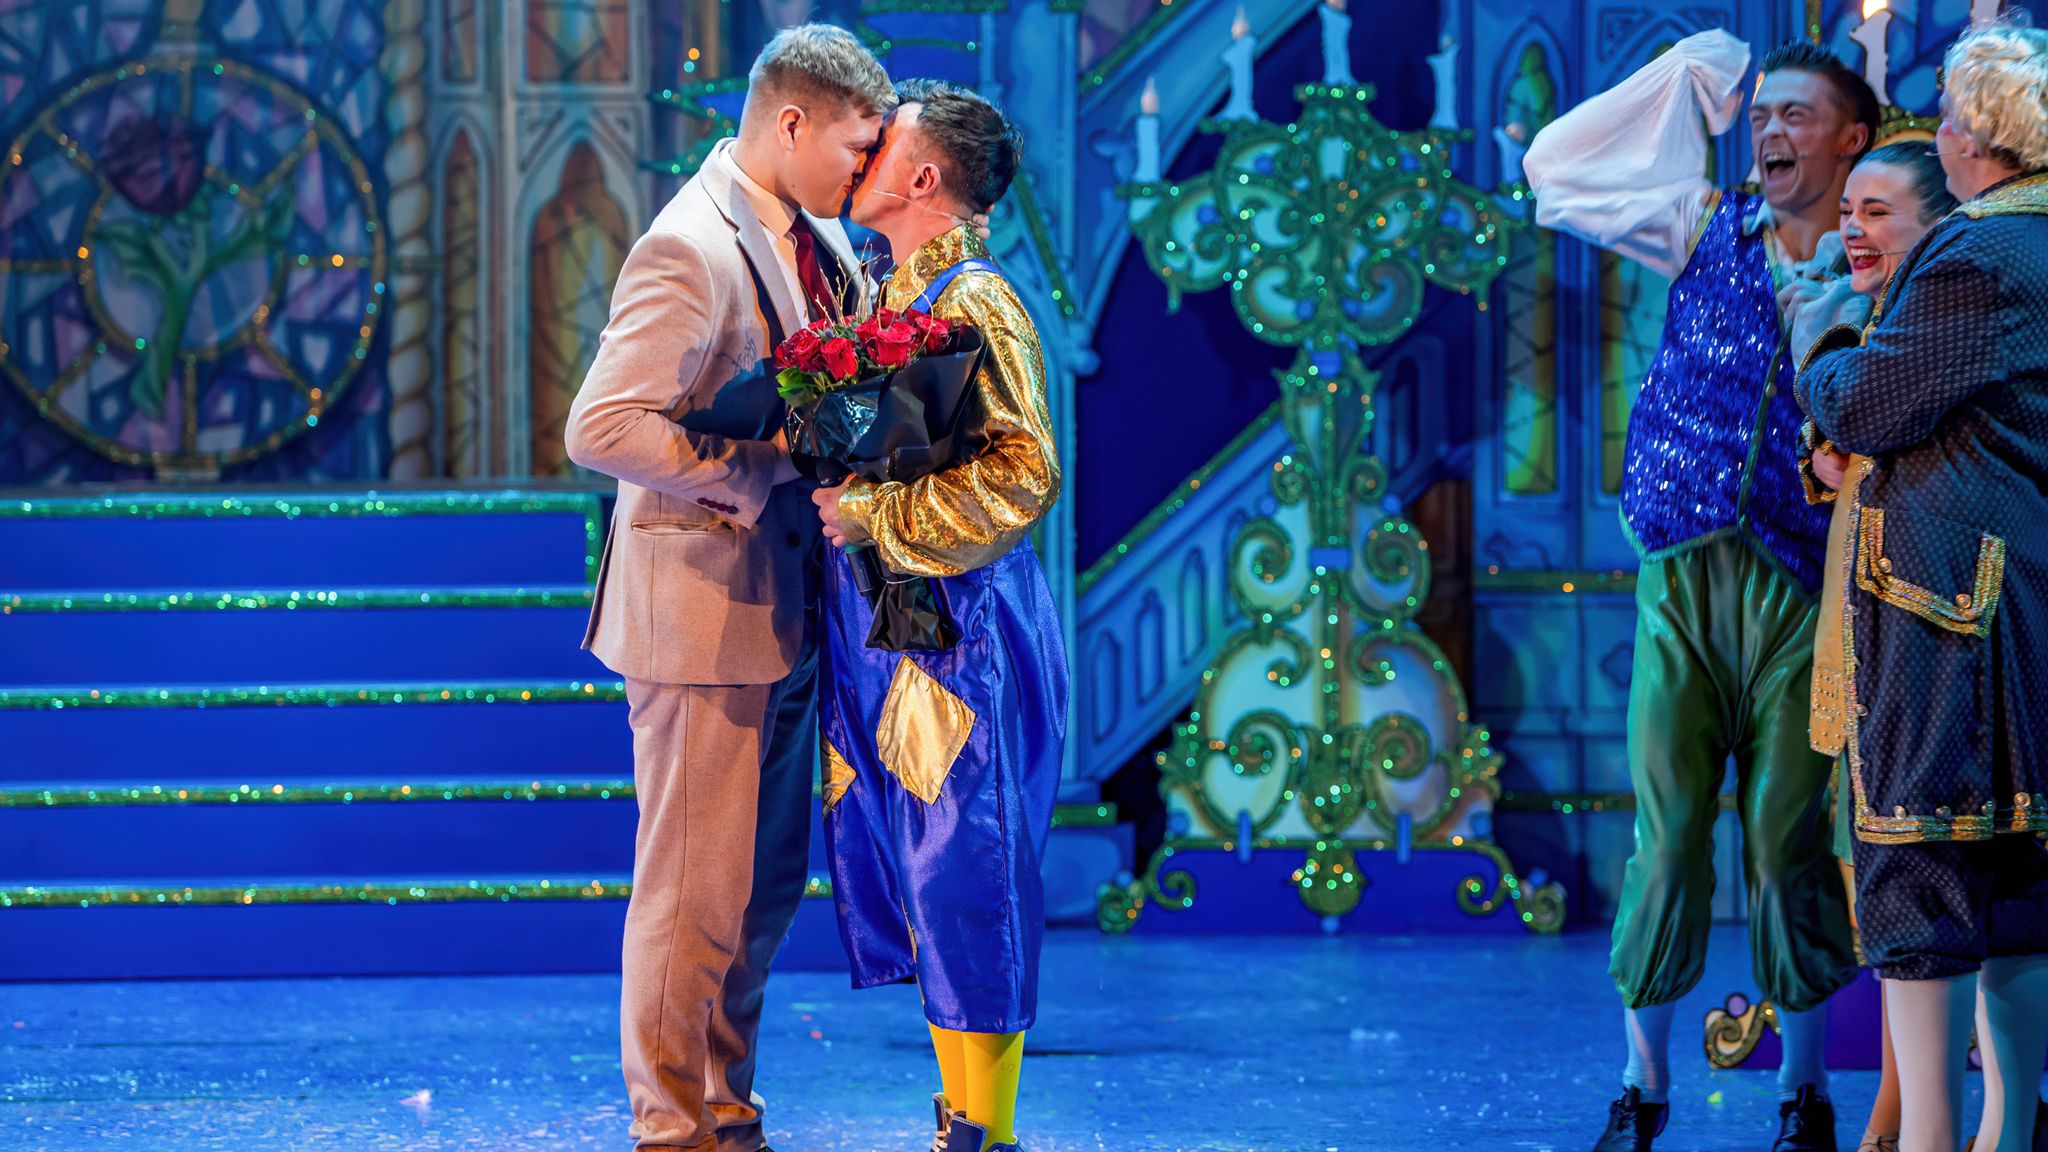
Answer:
(1444, 63)
(1239, 59)
(1147, 171)
(1877, 21)
(1336, 44)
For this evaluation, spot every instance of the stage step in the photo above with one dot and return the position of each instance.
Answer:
(306, 733)
(371, 731)
(171, 843)
(423, 643)
(299, 540)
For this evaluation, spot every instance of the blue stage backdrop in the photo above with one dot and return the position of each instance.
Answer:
(293, 564)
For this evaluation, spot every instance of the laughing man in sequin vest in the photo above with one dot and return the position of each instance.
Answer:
(1730, 548)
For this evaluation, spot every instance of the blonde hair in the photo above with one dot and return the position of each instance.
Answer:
(823, 70)
(1996, 83)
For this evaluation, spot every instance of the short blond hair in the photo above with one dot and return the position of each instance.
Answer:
(1996, 92)
(821, 69)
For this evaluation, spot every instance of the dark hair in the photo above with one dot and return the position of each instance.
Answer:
(1930, 183)
(979, 147)
(1855, 96)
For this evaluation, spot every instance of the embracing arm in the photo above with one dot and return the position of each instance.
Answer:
(1626, 169)
(1936, 346)
(967, 516)
(654, 352)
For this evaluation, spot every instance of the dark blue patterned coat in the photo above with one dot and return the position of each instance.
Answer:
(1945, 619)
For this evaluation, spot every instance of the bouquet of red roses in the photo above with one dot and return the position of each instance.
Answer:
(831, 354)
(887, 398)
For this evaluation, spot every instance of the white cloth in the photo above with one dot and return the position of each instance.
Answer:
(1626, 170)
(777, 216)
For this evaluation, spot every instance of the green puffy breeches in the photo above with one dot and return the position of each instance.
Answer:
(1723, 660)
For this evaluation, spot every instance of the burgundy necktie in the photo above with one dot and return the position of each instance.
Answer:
(819, 299)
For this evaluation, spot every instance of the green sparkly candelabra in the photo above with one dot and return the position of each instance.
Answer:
(1329, 725)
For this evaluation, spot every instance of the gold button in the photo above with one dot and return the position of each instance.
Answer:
(1962, 599)
(1942, 812)
(1899, 811)
(2022, 799)
(1884, 564)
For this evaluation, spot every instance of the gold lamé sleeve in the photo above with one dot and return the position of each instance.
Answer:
(967, 516)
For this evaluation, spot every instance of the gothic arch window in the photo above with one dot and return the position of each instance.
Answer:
(579, 242)
(577, 41)
(462, 343)
(1529, 400)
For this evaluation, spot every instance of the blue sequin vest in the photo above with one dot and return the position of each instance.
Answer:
(1713, 441)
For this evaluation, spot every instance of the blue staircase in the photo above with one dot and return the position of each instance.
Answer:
(313, 733)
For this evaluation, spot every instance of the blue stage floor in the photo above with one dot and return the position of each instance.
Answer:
(1276, 1045)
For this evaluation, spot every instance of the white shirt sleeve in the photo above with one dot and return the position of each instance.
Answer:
(1626, 169)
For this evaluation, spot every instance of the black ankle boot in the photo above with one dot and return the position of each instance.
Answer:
(1632, 1124)
(1806, 1123)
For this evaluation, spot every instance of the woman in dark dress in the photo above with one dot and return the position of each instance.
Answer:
(1945, 613)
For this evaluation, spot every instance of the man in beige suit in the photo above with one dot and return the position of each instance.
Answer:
(706, 597)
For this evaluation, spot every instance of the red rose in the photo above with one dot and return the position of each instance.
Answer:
(894, 346)
(842, 359)
(934, 331)
(802, 350)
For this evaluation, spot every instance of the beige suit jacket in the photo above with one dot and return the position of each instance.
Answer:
(702, 578)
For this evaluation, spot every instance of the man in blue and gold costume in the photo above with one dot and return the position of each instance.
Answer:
(1944, 399)
(1713, 500)
(942, 767)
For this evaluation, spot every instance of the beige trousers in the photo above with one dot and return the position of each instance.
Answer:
(724, 777)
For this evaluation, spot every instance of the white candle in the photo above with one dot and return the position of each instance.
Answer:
(1147, 171)
(1336, 44)
(1983, 11)
(1239, 59)
(1513, 143)
(1877, 20)
(1444, 63)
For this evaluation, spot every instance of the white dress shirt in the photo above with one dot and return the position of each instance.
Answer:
(777, 216)
(1626, 170)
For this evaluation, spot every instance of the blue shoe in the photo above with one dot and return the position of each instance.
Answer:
(967, 1136)
(942, 1121)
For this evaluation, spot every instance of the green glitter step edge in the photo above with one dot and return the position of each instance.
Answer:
(314, 505)
(387, 792)
(310, 695)
(388, 894)
(554, 596)
(274, 795)
(291, 506)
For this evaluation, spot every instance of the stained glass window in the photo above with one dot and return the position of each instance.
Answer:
(459, 40)
(1529, 403)
(579, 242)
(462, 348)
(577, 41)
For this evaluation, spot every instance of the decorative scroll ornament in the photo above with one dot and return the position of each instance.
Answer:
(1329, 725)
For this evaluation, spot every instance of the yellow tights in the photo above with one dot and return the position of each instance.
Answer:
(978, 1071)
